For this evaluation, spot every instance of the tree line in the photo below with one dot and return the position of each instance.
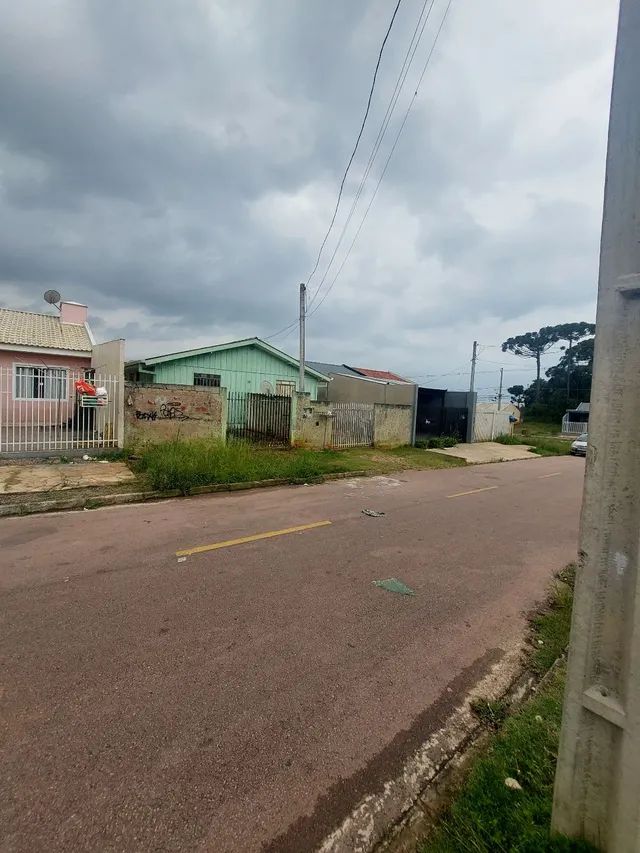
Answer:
(568, 382)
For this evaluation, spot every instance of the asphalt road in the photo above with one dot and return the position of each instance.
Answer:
(245, 698)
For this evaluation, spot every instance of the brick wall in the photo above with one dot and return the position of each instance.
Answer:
(162, 412)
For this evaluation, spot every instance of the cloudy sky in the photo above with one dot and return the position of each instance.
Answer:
(175, 166)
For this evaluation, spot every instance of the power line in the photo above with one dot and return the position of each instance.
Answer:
(284, 329)
(388, 160)
(402, 76)
(355, 147)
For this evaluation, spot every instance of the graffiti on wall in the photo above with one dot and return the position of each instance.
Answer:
(167, 410)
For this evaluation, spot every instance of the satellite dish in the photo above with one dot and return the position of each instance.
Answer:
(266, 387)
(52, 297)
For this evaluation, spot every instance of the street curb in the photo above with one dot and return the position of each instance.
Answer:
(422, 816)
(405, 809)
(99, 501)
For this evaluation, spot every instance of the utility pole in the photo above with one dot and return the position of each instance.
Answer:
(471, 397)
(500, 391)
(597, 790)
(303, 313)
(474, 359)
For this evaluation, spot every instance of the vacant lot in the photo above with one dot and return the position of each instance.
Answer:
(200, 462)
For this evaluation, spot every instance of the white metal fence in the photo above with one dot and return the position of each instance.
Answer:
(352, 424)
(44, 408)
(573, 427)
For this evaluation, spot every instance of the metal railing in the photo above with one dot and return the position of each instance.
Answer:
(573, 427)
(263, 418)
(41, 408)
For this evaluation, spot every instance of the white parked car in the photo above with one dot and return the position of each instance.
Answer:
(579, 446)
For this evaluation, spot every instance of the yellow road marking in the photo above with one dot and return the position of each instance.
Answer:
(199, 549)
(555, 474)
(472, 491)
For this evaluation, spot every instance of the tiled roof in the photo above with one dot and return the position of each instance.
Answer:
(26, 328)
(379, 374)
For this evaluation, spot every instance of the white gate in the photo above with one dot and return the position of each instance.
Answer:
(48, 408)
(352, 424)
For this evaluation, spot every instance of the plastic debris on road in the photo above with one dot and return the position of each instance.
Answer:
(373, 513)
(394, 585)
(182, 559)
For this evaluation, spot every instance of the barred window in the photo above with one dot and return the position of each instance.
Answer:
(40, 383)
(206, 380)
(285, 388)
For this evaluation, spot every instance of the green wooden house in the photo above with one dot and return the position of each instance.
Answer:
(250, 365)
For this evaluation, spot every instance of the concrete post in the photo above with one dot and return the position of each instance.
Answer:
(597, 791)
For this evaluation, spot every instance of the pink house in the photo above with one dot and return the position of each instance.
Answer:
(41, 357)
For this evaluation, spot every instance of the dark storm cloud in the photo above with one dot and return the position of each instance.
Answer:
(174, 165)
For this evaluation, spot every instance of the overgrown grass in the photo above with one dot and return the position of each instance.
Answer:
(533, 427)
(184, 465)
(540, 444)
(488, 816)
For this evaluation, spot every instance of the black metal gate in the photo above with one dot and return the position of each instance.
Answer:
(263, 418)
(441, 412)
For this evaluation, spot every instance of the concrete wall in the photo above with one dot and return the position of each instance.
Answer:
(509, 408)
(161, 412)
(351, 389)
(310, 423)
(392, 425)
(107, 359)
(489, 425)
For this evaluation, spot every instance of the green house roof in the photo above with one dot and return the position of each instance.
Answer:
(247, 342)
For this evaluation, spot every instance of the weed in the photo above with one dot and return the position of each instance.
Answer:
(508, 439)
(201, 462)
(491, 713)
(487, 815)
(438, 442)
(551, 626)
(541, 444)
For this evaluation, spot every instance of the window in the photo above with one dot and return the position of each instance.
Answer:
(285, 389)
(206, 380)
(40, 383)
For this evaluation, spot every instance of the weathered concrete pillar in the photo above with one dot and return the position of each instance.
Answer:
(597, 793)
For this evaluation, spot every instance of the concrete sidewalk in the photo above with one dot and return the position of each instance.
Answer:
(58, 476)
(488, 451)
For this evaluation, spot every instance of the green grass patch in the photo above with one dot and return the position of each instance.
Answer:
(533, 427)
(543, 445)
(184, 465)
(552, 625)
(486, 815)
